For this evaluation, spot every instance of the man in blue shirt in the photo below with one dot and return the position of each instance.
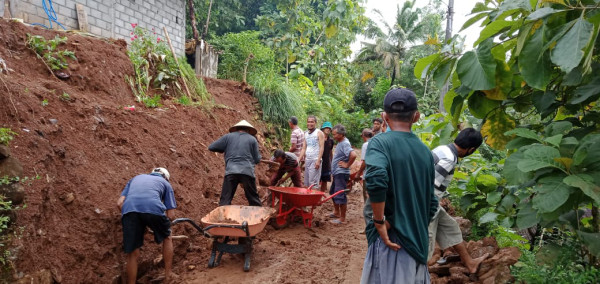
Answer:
(147, 201)
(241, 155)
(343, 157)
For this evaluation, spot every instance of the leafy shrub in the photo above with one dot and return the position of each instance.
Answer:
(379, 90)
(236, 48)
(47, 51)
(561, 269)
(6, 135)
(153, 64)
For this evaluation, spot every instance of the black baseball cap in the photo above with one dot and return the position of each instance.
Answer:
(399, 100)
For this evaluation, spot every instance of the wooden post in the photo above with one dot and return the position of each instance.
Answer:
(177, 62)
(82, 18)
(7, 14)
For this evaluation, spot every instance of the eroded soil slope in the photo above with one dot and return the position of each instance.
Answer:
(86, 147)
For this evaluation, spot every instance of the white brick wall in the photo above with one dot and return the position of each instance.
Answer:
(111, 18)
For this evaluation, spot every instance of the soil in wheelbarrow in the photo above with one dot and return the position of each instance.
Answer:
(325, 253)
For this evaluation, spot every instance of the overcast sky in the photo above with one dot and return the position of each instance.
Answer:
(462, 8)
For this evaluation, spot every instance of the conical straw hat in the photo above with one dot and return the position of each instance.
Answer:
(244, 124)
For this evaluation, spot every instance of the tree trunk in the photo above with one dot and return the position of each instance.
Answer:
(207, 20)
(193, 20)
(446, 87)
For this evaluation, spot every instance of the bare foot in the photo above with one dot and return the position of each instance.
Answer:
(476, 263)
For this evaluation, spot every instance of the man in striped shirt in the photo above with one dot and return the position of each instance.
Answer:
(443, 228)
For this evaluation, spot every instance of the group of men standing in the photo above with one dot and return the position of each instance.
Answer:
(314, 148)
(403, 182)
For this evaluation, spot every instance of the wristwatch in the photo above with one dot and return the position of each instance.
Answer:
(381, 222)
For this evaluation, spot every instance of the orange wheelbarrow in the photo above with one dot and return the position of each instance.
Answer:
(225, 223)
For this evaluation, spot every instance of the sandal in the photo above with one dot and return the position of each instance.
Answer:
(336, 222)
(333, 216)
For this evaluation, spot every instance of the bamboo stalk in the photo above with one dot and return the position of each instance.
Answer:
(177, 62)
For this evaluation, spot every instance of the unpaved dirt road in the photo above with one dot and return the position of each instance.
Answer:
(325, 253)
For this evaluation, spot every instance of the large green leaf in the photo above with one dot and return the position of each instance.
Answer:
(492, 29)
(552, 192)
(486, 183)
(448, 99)
(586, 184)
(473, 20)
(519, 142)
(423, 65)
(527, 217)
(568, 52)
(539, 157)
(558, 127)
(554, 140)
(477, 69)
(542, 13)
(543, 102)
(488, 217)
(525, 133)
(493, 197)
(496, 124)
(523, 36)
(588, 152)
(508, 5)
(592, 241)
(589, 92)
(535, 69)
(442, 72)
(480, 105)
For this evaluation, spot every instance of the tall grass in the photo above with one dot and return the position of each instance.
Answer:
(195, 84)
(279, 99)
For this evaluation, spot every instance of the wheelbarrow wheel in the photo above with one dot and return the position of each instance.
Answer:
(280, 222)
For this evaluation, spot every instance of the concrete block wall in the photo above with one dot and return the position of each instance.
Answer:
(110, 18)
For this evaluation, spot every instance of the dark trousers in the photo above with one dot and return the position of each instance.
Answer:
(230, 184)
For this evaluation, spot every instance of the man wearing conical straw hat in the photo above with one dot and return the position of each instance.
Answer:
(241, 155)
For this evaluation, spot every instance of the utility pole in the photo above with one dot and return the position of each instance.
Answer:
(447, 38)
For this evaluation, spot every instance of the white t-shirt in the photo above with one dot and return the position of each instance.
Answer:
(363, 152)
(312, 145)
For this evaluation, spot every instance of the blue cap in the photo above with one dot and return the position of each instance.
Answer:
(326, 124)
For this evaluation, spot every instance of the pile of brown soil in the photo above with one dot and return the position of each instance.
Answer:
(85, 147)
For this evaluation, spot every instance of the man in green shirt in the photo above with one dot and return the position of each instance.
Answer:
(400, 181)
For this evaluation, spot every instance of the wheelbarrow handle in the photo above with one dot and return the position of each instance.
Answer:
(180, 220)
(243, 226)
(333, 195)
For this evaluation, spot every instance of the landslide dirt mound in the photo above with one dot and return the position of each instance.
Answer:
(85, 147)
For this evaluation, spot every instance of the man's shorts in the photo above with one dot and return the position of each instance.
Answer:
(325, 176)
(339, 183)
(134, 227)
(444, 230)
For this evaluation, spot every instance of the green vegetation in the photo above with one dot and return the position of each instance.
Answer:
(47, 51)
(531, 85)
(6, 135)
(558, 261)
(156, 71)
(65, 97)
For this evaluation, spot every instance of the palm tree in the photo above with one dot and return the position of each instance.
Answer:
(390, 46)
